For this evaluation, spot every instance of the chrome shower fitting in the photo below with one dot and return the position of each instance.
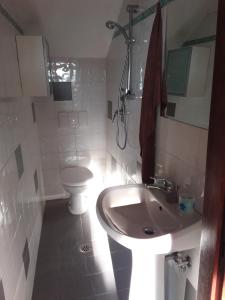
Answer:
(129, 39)
(132, 8)
(125, 87)
(181, 260)
(112, 25)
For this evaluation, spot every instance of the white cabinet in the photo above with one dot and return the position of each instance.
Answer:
(33, 65)
(187, 70)
(198, 72)
(10, 85)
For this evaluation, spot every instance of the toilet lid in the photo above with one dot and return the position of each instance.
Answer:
(75, 176)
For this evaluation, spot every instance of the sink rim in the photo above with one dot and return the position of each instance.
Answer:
(154, 242)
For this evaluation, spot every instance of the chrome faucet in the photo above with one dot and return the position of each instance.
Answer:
(165, 185)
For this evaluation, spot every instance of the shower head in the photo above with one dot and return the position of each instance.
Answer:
(112, 25)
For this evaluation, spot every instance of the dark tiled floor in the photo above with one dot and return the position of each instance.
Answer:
(63, 273)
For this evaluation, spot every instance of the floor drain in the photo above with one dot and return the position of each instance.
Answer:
(86, 249)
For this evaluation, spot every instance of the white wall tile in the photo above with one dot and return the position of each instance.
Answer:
(49, 144)
(66, 143)
(68, 129)
(63, 120)
(83, 118)
(18, 212)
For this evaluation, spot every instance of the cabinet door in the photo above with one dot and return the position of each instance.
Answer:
(178, 64)
(10, 85)
(32, 63)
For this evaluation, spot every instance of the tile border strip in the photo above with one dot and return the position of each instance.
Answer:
(202, 40)
(4, 12)
(145, 14)
(151, 10)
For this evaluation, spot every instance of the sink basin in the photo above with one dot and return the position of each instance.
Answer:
(139, 217)
(149, 222)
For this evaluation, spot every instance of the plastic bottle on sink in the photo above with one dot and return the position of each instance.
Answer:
(186, 200)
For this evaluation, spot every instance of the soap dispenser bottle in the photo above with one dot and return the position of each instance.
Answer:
(186, 200)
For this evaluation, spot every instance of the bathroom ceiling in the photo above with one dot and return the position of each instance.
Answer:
(73, 28)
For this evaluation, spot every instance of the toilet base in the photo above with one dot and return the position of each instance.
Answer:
(78, 204)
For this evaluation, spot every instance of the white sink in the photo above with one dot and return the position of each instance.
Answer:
(149, 222)
(137, 217)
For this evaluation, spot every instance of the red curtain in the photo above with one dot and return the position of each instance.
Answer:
(154, 94)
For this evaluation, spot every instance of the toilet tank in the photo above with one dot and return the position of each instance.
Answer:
(79, 159)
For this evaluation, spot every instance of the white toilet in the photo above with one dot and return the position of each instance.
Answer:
(74, 180)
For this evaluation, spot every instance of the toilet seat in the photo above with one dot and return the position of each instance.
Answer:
(75, 176)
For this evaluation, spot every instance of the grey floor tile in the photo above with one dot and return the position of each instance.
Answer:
(92, 297)
(122, 259)
(107, 296)
(46, 287)
(75, 286)
(75, 267)
(62, 272)
(49, 247)
(123, 278)
(86, 226)
(69, 248)
(46, 265)
(114, 246)
(123, 294)
(103, 282)
(97, 264)
(46, 295)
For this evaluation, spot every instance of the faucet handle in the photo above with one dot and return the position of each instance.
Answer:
(168, 185)
(159, 181)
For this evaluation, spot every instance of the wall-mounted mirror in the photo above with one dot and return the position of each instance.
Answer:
(190, 48)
